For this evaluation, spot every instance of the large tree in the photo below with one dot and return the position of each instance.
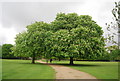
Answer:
(31, 42)
(76, 36)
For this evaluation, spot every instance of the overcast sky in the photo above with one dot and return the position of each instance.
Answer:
(15, 16)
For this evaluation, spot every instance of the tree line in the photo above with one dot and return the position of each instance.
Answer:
(69, 35)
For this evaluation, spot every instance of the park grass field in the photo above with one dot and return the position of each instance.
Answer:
(101, 70)
(23, 69)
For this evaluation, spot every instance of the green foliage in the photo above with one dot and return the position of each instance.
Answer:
(111, 48)
(77, 36)
(69, 35)
(31, 42)
(115, 55)
(6, 49)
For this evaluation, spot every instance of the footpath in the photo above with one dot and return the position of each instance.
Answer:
(63, 72)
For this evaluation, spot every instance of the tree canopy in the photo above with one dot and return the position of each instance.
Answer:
(6, 51)
(31, 42)
(69, 35)
(77, 36)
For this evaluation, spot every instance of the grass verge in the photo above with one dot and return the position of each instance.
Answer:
(23, 69)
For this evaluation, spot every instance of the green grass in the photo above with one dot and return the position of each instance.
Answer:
(23, 69)
(101, 70)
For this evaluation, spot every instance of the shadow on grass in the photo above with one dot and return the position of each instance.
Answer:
(81, 65)
(32, 64)
(64, 64)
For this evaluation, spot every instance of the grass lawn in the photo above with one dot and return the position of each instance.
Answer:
(101, 70)
(22, 69)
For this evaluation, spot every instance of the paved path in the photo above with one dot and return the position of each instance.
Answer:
(63, 72)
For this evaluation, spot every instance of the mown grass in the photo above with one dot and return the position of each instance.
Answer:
(101, 70)
(23, 69)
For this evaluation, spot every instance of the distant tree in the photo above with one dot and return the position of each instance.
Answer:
(6, 49)
(112, 54)
(116, 13)
(111, 48)
(115, 55)
(114, 32)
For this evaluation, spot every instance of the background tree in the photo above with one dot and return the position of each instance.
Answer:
(6, 49)
(111, 48)
(115, 55)
(114, 33)
(116, 13)
(112, 53)
(114, 27)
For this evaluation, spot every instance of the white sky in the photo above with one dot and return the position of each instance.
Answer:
(17, 14)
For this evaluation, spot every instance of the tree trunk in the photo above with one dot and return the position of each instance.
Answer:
(71, 61)
(59, 59)
(50, 60)
(33, 59)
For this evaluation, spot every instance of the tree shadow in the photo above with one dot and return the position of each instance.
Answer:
(64, 64)
(81, 65)
(32, 64)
